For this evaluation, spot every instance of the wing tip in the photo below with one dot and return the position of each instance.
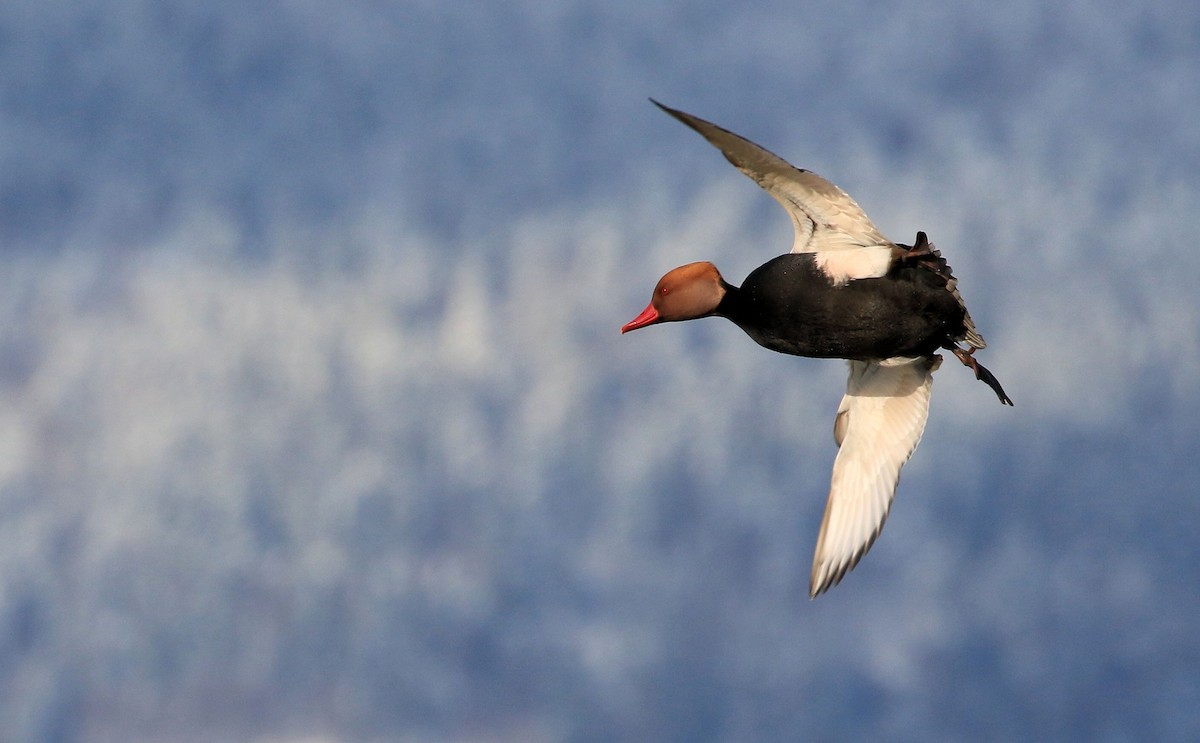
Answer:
(674, 112)
(819, 584)
(826, 574)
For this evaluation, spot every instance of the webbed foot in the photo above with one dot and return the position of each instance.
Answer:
(982, 374)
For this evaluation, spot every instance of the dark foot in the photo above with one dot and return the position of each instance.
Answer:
(914, 253)
(920, 249)
(982, 374)
(923, 254)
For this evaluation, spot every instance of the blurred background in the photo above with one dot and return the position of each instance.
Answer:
(316, 425)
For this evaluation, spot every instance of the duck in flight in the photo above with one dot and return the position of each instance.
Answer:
(844, 291)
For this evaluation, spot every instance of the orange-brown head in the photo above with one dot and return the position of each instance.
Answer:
(684, 293)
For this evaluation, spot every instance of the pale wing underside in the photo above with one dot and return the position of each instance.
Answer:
(878, 426)
(825, 217)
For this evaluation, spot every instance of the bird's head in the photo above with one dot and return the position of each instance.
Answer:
(684, 293)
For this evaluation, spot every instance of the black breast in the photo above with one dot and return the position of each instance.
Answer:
(789, 305)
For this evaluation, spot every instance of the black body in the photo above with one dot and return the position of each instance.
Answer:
(789, 305)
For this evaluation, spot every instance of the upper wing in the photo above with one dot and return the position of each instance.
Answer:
(825, 217)
(878, 426)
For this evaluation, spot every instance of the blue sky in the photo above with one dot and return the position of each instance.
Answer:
(315, 423)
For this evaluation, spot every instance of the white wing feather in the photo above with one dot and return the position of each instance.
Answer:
(824, 216)
(878, 426)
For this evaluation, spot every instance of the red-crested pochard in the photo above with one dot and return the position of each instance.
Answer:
(844, 291)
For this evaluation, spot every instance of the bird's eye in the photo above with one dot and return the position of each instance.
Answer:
(664, 290)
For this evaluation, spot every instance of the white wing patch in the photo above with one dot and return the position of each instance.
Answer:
(878, 425)
(856, 263)
(826, 220)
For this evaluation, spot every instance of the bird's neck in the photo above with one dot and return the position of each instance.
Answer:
(733, 304)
